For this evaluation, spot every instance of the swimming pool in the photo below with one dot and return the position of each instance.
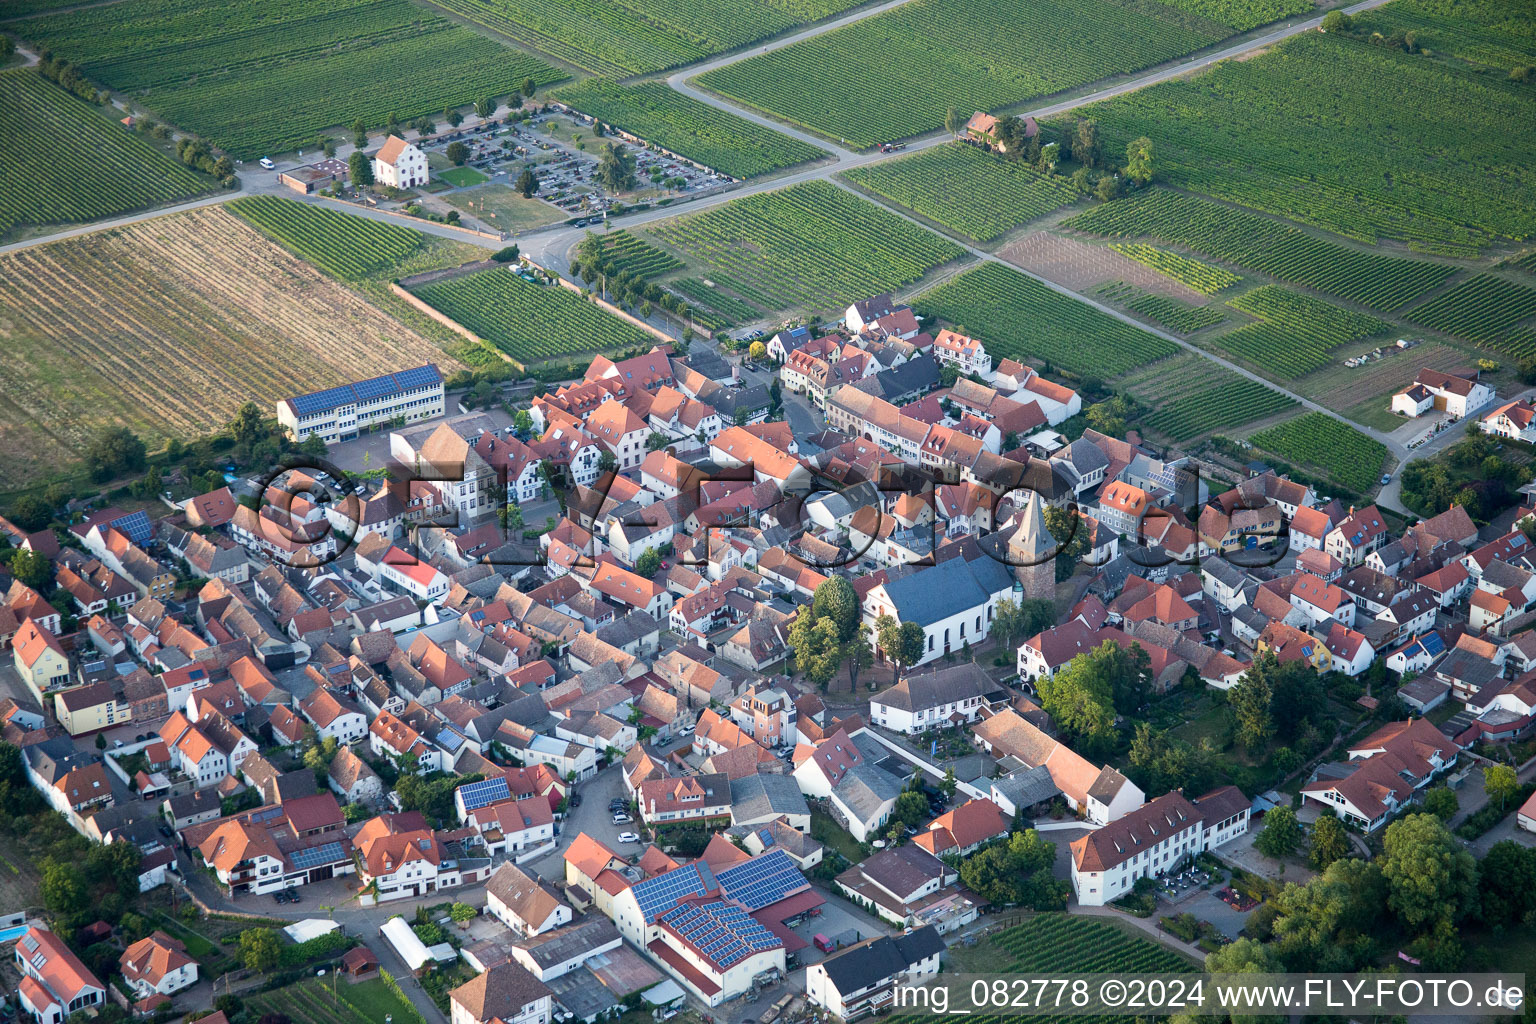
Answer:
(12, 934)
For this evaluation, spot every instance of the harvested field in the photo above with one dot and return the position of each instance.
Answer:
(1081, 266)
(167, 326)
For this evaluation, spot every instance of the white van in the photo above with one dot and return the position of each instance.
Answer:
(267, 163)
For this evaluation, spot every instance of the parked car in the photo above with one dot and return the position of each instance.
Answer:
(267, 163)
(628, 837)
(622, 819)
(575, 800)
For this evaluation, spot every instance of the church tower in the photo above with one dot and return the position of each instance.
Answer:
(1032, 552)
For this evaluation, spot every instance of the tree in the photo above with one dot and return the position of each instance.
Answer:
(1138, 160)
(950, 783)
(1508, 885)
(893, 643)
(462, 912)
(1330, 842)
(1249, 700)
(453, 117)
(741, 415)
(506, 254)
(656, 441)
(649, 563)
(1080, 703)
(260, 949)
(248, 427)
(63, 894)
(31, 512)
(859, 655)
(527, 183)
(1336, 21)
(1108, 416)
(457, 152)
(1085, 143)
(1245, 956)
(1501, 783)
(1017, 872)
(836, 599)
(1160, 762)
(485, 107)
(953, 123)
(360, 133)
(817, 650)
(360, 168)
(1442, 803)
(528, 87)
(607, 463)
(1431, 878)
(757, 352)
(31, 567)
(1071, 536)
(1281, 835)
(911, 809)
(112, 452)
(1108, 188)
(1046, 164)
(616, 168)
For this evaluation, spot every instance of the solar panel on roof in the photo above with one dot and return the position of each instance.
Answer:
(762, 880)
(484, 793)
(659, 894)
(316, 855)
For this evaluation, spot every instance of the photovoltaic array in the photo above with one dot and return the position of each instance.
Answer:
(658, 895)
(763, 880)
(723, 932)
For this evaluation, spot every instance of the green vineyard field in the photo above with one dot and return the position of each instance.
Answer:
(968, 189)
(1482, 309)
(1198, 398)
(665, 117)
(1175, 315)
(623, 253)
(259, 77)
(1264, 245)
(529, 322)
(618, 39)
(810, 246)
(1309, 131)
(894, 75)
(1020, 318)
(1202, 277)
(342, 245)
(1295, 333)
(1243, 15)
(699, 293)
(1316, 439)
(66, 163)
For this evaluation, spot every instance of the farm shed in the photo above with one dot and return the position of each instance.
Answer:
(309, 177)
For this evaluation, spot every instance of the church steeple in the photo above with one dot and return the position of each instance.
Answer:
(1032, 551)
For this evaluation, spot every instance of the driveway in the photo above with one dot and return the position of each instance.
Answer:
(1504, 830)
(1207, 906)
